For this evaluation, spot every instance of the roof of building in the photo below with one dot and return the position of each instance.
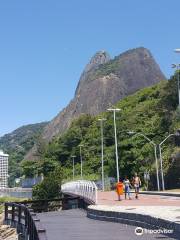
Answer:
(3, 154)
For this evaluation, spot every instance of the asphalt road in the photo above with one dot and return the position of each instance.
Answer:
(74, 225)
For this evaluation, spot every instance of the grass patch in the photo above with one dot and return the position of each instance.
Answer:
(9, 199)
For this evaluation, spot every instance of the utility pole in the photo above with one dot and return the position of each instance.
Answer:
(80, 148)
(102, 151)
(114, 110)
(161, 160)
(177, 66)
(73, 157)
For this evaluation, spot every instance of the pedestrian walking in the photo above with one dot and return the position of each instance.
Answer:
(127, 186)
(136, 184)
(119, 189)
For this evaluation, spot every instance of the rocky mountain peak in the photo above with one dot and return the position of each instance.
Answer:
(103, 83)
(140, 51)
(99, 58)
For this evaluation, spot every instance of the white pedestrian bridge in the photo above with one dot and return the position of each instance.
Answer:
(82, 188)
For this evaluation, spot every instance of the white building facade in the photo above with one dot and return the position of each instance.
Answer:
(3, 169)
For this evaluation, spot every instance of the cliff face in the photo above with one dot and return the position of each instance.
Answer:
(104, 82)
(82, 102)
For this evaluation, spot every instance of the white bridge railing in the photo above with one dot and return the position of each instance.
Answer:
(81, 188)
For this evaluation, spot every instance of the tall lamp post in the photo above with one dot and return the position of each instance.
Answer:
(161, 160)
(177, 66)
(155, 153)
(114, 110)
(102, 151)
(80, 148)
(73, 157)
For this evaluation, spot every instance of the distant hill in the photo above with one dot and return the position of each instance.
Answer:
(18, 143)
(22, 138)
(103, 83)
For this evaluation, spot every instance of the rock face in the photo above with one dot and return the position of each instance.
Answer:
(104, 82)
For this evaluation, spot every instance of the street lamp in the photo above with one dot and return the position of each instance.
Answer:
(177, 66)
(73, 157)
(114, 110)
(177, 50)
(155, 153)
(161, 160)
(102, 150)
(80, 148)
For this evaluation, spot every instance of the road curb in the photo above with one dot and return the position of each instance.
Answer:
(134, 219)
(170, 194)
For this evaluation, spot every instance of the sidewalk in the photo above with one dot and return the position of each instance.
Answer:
(168, 213)
(161, 193)
(149, 211)
(110, 198)
(147, 217)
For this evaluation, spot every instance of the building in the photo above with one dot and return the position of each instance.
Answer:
(3, 169)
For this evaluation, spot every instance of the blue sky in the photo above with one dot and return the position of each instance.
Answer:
(45, 44)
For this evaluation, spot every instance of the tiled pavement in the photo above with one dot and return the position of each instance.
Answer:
(110, 198)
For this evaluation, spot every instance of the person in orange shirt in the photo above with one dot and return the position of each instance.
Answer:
(119, 189)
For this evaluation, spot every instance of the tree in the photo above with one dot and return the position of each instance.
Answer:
(29, 168)
(50, 187)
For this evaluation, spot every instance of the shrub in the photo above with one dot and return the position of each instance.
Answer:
(50, 187)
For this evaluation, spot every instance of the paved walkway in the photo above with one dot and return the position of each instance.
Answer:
(110, 198)
(74, 225)
(162, 207)
(170, 213)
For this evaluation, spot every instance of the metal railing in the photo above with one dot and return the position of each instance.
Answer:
(22, 216)
(26, 223)
(53, 204)
(82, 188)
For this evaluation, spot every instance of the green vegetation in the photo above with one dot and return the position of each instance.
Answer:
(11, 199)
(50, 187)
(109, 67)
(114, 66)
(152, 111)
(8, 199)
(17, 144)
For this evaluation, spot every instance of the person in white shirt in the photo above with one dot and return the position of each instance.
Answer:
(127, 185)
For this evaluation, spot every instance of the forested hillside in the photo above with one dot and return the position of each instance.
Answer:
(152, 111)
(18, 143)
